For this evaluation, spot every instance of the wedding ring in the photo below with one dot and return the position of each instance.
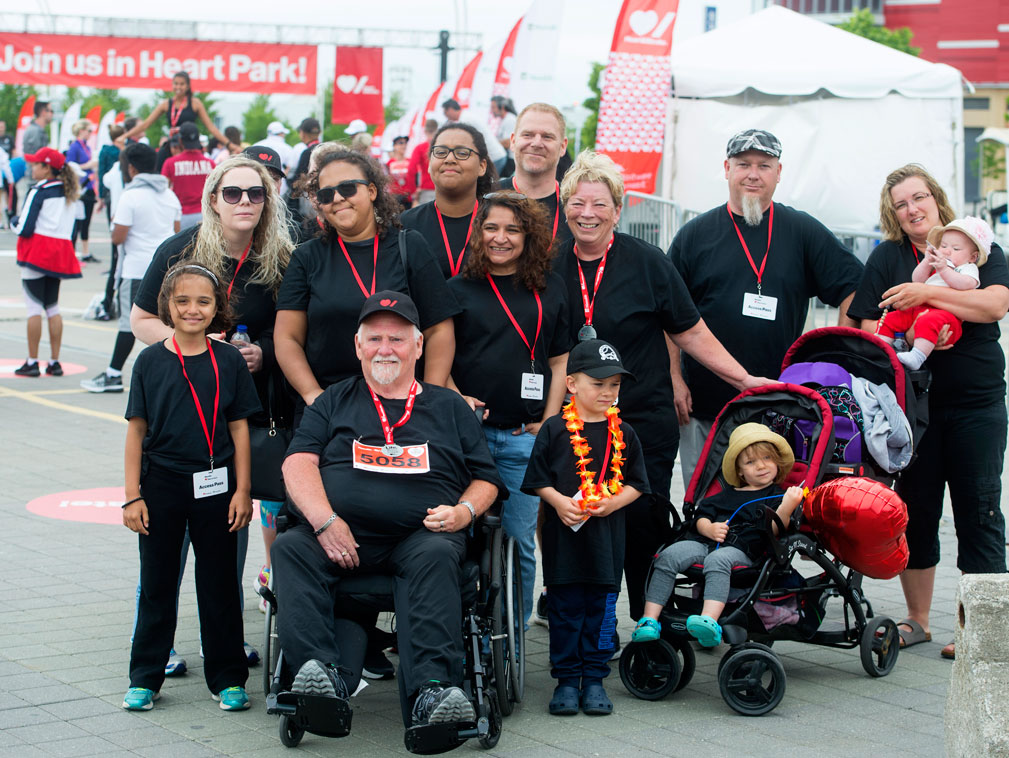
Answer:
(442, 525)
(344, 552)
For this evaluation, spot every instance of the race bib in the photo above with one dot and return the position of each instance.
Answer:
(578, 498)
(532, 386)
(414, 459)
(209, 483)
(760, 306)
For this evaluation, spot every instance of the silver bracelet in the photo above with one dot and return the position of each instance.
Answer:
(472, 510)
(325, 526)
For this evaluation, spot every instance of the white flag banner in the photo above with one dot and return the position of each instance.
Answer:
(534, 58)
(72, 116)
(103, 129)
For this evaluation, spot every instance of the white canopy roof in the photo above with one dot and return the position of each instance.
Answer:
(779, 52)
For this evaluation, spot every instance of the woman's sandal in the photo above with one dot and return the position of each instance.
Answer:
(565, 701)
(595, 701)
(914, 635)
(949, 651)
(705, 630)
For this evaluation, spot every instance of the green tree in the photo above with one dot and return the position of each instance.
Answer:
(592, 103)
(256, 118)
(863, 24)
(394, 109)
(12, 97)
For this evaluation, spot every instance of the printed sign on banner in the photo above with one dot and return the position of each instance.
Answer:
(637, 80)
(357, 89)
(115, 62)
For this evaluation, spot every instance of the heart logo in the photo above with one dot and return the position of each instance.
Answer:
(347, 82)
(643, 22)
(264, 156)
(387, 303)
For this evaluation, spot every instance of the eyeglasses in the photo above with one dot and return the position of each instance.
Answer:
(461, 153)
(347, 189)
(233, 195)
(504, 193)
(918, 199)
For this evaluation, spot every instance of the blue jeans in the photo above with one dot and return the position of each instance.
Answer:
(519, 512)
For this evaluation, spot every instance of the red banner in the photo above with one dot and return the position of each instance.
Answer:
(503, 76)
(632, 110)
(357, 89)
(115, 62)
(464, 87)
(24, 118)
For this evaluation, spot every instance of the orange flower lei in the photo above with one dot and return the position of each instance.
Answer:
(592, 492)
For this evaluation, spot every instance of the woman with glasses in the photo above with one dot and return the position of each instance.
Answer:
(462, 174)
(243, 239)
(512, 341)
(965, 441)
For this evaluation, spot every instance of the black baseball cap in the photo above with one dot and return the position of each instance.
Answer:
(189, 135)
(309, 125)
(268, 157)
(597, 359)
(393, 302)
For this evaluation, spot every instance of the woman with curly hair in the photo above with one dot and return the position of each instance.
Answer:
(360, 250)
(244, 241)
(462, 174)
(512, 341)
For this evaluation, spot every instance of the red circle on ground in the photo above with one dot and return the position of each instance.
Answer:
(7, 368)
(101, 505)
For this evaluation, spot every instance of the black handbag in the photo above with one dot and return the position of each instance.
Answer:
(269, 448)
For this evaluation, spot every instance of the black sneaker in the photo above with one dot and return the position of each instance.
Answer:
(540, 615)
(441, 705)
(377, 666)
(90, 259)
(53, 368)
(318, 678)
(103, 383)
(28, 370)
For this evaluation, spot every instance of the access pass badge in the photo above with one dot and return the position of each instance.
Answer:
(209, 483)
(532, 386)
(578, 499)
(760, 306)
(413, 460)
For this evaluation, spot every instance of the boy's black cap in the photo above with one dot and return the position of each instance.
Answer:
(393, 302)
(309, 125)
(267, 156)
(189, 135)
(597, 359)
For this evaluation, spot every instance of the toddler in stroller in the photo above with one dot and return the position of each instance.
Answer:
(728, 531)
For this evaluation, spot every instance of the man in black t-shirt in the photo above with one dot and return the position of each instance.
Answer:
(751, 267)
(387, 475)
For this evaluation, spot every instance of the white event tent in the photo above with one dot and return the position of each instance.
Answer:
(847, 111)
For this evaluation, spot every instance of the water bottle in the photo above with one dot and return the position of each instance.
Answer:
(241, 336)
(899, 343)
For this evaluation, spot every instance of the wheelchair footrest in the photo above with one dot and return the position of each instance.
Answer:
(430, 739)
(324, 716)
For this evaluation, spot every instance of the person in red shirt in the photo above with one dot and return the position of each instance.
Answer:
(187, 173)
(401, 182)
(418, 163)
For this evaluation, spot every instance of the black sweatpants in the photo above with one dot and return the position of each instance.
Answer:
(647, 526)
(171, 506)
(583, 621)
(426, 570)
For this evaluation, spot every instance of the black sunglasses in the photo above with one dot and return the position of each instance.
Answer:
(346, 188)
(233, 195)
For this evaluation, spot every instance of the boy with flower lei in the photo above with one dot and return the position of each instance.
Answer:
(586, 466)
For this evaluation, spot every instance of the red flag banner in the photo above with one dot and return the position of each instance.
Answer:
(24, 118)
(632, 110)
(115, 62)
(503, 77)
(464, 87)
(357, 89)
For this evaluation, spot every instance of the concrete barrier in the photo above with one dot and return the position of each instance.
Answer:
(977, 706)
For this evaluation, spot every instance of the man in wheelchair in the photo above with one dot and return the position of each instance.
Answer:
(386, 475)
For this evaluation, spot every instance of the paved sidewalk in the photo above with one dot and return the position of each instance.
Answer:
(66, 614)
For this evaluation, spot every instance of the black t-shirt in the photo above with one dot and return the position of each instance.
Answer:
(971, 374)
(424, 219)
(744, 510)
(805, 260)
(640, 297)
(550, 203)
(253, 305)
(595, 553)
(378, 505)
(490, 356)
(160, 394)
(320, 282)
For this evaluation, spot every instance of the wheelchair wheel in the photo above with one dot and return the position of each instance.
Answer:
(752, 681)
(290, 733)
(688, 661)
(271, 649)
(650, 670)
(503, 630)
(493, 711)
(515, 612)
(879, 646)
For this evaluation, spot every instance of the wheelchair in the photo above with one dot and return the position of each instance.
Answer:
(493, 640)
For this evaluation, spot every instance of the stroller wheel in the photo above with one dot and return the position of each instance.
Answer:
(688, 661)
(290, 733)
(650, 670)
(737, 648)
(879, 646)
(752, 681)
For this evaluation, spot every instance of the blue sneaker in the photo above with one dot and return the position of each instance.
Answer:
(140, 699)
(176, 665)
(233, 699)
(647, 630)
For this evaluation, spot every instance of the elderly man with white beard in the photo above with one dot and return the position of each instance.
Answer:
(751, 267)
(386, 475)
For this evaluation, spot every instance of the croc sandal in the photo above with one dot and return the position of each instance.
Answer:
(915, 634)
(647, 630)
(705, 630)
(949, 652)
(564, 702)
(595, 701)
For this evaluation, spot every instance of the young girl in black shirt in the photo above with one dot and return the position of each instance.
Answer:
(187, 463)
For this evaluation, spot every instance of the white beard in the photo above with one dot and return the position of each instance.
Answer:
(384, 372)
(753, 214)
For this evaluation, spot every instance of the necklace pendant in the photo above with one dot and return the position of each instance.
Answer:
(587, 332)
(392, 450)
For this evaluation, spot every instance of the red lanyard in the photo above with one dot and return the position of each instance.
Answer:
(557, 208)
(539, 320)
(241, 260)
(770, 225)
(353, 268)
(914, 249)
(587, 306)
(209, 434)
(455, 266)
(174, 115)
(386, 429)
